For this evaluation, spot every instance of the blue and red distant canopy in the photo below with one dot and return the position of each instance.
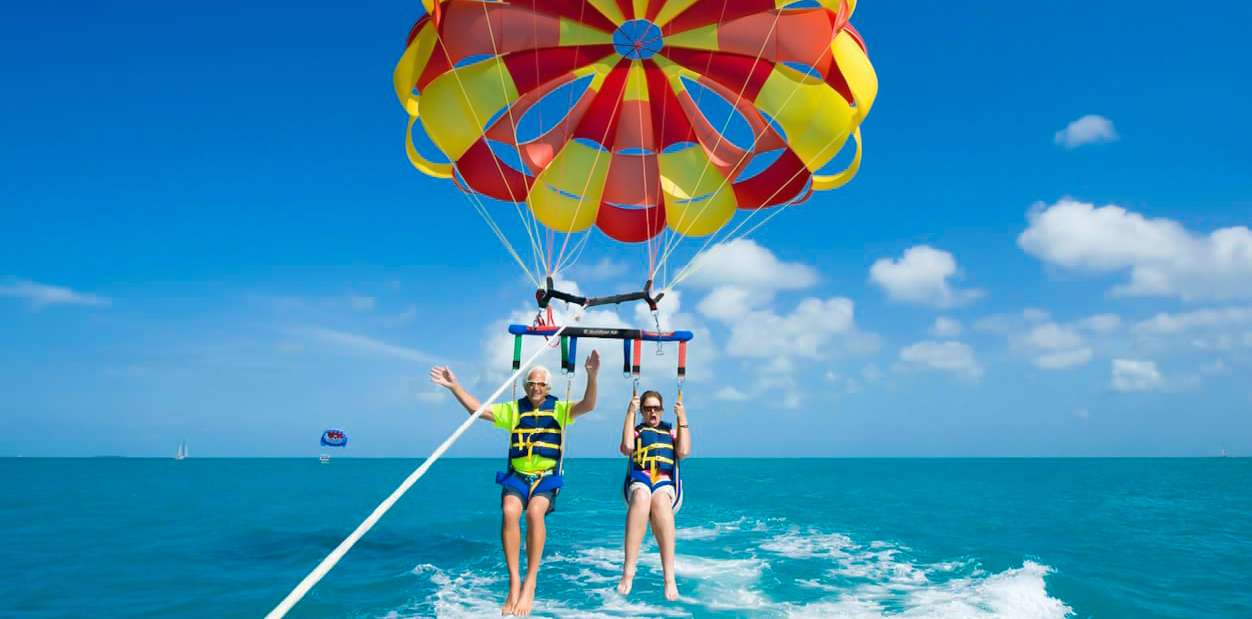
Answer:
(334, 438)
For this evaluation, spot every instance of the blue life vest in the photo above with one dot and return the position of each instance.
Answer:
(654, 450)
(535, 432)
(654, 455)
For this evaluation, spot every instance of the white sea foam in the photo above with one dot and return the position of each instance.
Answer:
(873, 579)
(796, 545)
(467, 594)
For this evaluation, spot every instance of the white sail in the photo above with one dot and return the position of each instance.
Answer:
(182, 451)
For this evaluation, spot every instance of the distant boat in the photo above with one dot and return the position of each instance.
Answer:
(324, 459)
(1223, 454)
(181, 454)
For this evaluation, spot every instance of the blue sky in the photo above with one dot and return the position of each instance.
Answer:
(209, 232)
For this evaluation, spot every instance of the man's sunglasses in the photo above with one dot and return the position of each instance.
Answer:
(653, 408)
(531, 383)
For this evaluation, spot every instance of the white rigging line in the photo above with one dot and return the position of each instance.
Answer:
(720, 134)
(335, 555)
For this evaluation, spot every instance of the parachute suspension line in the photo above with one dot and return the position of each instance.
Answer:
(695, 264)
(577, 252)
(722, 132)
(499, 170)
(472, 198)
(569, 354)
(692, 266)
(582, 196)
(335, 555)
(756, 139)
(508, 108)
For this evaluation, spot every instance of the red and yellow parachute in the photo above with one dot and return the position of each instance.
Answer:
(630, 149)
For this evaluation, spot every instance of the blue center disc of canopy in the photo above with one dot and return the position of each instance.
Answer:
(637, 39)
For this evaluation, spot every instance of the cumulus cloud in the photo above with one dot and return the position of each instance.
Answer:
(945, 327)
(1089, 129)
(1005, 324)
(746, 265)
(1163, 258)
(1055, 347)
(948, 356)
(730, 394)
(802, 333)
(1166, 323)
(1134, 375)
(1048, 344)
(1223, 328)
(921, 275)
(1100, 323)
(602, 270)
(43, 295)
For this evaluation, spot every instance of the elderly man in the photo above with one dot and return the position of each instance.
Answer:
(536, 425)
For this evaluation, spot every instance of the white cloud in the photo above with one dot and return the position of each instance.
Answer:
(728, 303)
(804, 332)
(921, 276)
(1051, 336)
(730, 394)
(1062, 360)
(1052, 346)
(1213, 318)
(1008, 323)
(605, 269)
(366, 345)
(1132, 375)
(1100, 323)
(43, 295)
(945, 327)
(1090, 129)
(362, 303)
(948, 356)
(1163, 257)
(745, 264)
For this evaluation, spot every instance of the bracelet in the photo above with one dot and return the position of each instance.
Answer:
(682, 425)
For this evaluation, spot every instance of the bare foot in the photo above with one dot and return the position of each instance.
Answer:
(525, 600)
(628, 579)
(511, 601)
(671, 591)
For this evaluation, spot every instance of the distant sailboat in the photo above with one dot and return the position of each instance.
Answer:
(181, 454)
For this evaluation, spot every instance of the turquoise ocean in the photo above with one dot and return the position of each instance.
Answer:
(1134, 538)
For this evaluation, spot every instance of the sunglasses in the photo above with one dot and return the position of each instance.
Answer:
(650, 409)
(535, 384)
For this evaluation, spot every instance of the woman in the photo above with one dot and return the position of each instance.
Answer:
(653, 487)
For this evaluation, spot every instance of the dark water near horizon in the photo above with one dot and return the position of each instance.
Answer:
(757, 538)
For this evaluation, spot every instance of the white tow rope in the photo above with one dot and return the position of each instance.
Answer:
(335, 555)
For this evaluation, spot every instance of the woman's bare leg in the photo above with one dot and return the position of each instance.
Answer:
(663, 530)
(636, 525)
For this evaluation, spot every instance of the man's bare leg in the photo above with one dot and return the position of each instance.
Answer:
(536, 535)
(663, 530)
(636, 525)
(511, 540)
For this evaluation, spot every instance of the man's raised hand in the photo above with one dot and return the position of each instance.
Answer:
(442, 375)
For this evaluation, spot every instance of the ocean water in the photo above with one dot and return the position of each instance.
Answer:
(757, 538)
